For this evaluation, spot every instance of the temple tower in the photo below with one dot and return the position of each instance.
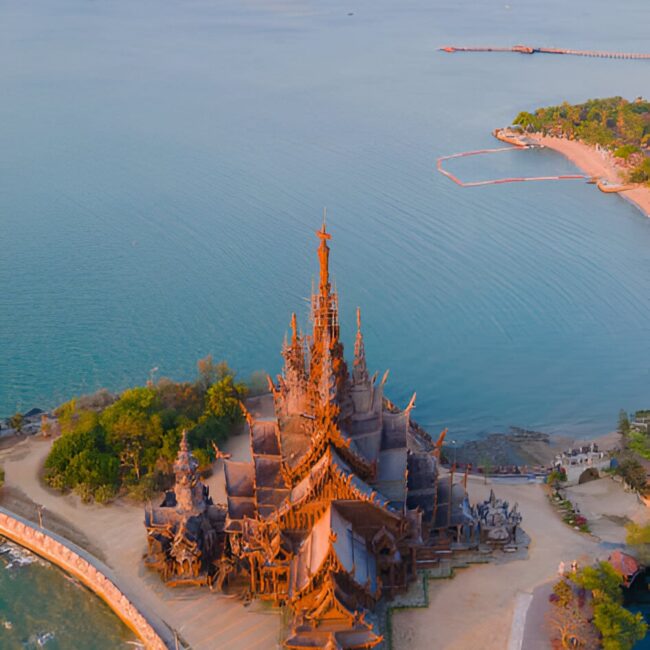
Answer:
(188, 489)
(294, 377)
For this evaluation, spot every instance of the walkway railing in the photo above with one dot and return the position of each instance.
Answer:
(88, 570)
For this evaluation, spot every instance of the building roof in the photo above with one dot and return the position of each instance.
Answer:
(333, 534)
(264, 439)
(239, 479)
(623, 564)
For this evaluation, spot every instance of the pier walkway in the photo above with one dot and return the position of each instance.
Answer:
(527, 49)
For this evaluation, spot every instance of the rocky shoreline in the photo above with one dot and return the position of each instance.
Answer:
(518, 447)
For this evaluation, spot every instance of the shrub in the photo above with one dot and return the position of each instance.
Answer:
(626, 151)
(634, 474)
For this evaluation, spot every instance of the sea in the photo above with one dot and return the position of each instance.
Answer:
(42, 607)
(164, 165)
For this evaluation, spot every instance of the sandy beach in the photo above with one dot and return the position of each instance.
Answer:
(598, 164)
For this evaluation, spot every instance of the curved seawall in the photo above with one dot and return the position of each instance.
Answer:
(88, 570)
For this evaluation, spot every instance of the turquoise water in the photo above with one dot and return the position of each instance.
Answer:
(41, 607)
(164, 166)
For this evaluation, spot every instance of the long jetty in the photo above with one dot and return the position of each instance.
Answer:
(527, 49)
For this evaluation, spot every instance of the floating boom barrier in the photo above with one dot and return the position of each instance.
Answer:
(499, 181)
(527, 49)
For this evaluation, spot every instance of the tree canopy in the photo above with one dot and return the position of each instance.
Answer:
(619, 628)
(615, 123)
(128, 443)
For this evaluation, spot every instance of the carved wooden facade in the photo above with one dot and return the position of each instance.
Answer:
(340, 495)
(341, 502)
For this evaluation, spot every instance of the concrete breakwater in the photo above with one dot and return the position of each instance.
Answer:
(91, 572)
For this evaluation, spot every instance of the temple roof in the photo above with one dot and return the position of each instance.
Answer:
(239, 479)
(391, 475)
(264, 439)
(395, 426)
(333, 639)
(333, 534)
(331, 460)
(460, 511)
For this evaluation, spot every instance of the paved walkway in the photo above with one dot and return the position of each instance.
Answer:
(205, 620)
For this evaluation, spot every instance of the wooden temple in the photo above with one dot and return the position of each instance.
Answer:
(342, 502)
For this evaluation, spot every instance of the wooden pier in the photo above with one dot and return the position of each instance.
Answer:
(527, 49)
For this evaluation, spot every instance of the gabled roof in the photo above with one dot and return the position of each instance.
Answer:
(268, 472)
(333, 539)
(264, 439)
(329, 623)
(331, 461)
(239, 479)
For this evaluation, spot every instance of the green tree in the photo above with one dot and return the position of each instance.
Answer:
(16, 422)
(641, 173)
(563, 593)
(602, 580)
(134, 429)
(619, 628)
(556, 477)
(223, 399)
(638, 537)
(83, 457)
(634, 474)
(623, 422)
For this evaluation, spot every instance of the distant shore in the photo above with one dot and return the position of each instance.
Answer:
(599, 164)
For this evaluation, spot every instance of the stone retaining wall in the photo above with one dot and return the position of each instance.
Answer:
(87, 569)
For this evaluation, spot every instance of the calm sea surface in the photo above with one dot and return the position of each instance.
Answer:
(41, 607)
(163, 166)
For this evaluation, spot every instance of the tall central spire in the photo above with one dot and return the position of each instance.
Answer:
(324, 302)
(324, 257)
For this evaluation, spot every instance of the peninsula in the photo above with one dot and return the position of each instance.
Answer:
(609, 139)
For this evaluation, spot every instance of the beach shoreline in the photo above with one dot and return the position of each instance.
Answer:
(599, 164)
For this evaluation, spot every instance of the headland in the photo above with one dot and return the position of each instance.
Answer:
(600, 164)
(607, 138)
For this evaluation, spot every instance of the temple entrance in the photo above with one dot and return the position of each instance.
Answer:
(590, 474)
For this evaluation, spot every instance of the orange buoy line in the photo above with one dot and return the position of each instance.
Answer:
(499, 181)
(527, 49)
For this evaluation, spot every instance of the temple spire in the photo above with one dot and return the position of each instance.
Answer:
(187, 488)
(184, 446)
(360, 370)
(294, 330)
(327, 383)
(323, 257)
